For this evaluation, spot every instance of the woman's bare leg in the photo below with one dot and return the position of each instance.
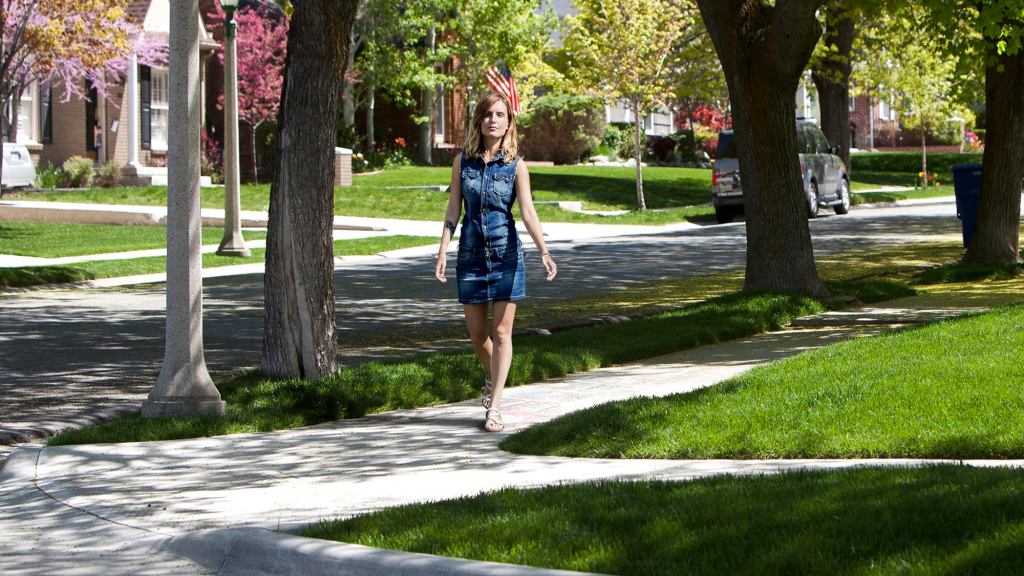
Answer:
(501, 358)
(476, 323)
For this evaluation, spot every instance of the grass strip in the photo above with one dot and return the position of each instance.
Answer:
(946, 390)
(37, 275)
(58, 239)
(929, 520)
(258, 404)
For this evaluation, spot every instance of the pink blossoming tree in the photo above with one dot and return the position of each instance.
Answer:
(261, 47)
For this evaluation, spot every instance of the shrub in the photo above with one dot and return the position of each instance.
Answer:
(109, 174)
(48, 177)
(562, 127)
(77, 172)
(662, 148)
(628, 148)
(610, 142)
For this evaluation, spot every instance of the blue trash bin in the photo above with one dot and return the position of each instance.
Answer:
(967, 186)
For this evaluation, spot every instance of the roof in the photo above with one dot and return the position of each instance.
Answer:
(138, 9)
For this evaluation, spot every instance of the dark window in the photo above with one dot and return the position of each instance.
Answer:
(726, 145)
(804, 139)
(145, 107)
(46, 112)
(90, 118)
(820, 142)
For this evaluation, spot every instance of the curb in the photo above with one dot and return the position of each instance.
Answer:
(258, 552)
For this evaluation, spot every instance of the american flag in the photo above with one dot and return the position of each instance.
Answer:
(502, 82)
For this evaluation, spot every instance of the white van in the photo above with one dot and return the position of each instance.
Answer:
(18, 167)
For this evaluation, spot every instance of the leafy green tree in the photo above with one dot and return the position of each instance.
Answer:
(694, 72)
(619, 49)
(905, 65)
(991, 32)
(764, 48)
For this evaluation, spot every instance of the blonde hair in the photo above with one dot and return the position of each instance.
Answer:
(473, 147)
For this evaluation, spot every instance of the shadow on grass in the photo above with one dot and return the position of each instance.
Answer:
(930, 520)
(25, 276)
(257, 404)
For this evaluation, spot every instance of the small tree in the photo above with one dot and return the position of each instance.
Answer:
(619, 50)
(262, 46)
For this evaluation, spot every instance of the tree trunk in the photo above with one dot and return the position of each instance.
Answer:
(924, 156)
(996, 239)
(640, 203)
(255, 158)
(763, 50)
(371, 140)
(298, 340)
(348, 109)
(832, 79)
(426, 129)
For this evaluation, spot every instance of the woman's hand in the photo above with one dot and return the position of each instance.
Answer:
(442, 263)
(549, 264)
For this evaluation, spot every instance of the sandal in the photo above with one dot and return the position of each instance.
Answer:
(487, 390)
(493, 423)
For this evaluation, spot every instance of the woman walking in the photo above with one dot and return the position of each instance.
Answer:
(487, 178)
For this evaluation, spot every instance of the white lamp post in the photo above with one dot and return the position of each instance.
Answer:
(232, 244)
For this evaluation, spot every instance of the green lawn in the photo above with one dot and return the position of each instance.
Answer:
(946, 390)
(672, 194)
(35, 275)
(56, 240)
(870, 521)
(600, 188)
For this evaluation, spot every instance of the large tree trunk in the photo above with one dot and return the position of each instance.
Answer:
(298, 340)
(832, 79)
(996, 240)
(763, 50)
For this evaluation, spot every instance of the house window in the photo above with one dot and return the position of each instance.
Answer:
(439, 119)
(885, 111)
(158, 109)
(25, 114)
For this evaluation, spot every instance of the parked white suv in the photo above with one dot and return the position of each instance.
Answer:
(826, 181)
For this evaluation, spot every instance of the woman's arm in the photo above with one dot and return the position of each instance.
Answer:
(530, 219)
(451, 218)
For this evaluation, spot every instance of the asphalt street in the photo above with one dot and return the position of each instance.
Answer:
(69, 357)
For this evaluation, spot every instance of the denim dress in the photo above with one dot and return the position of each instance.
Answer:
(490, 266)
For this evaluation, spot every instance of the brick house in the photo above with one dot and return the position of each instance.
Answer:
(871, 126)
(129, 125)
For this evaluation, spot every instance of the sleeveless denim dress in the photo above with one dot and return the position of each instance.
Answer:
(490, 266)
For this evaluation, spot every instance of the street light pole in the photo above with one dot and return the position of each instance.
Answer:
(232, 244)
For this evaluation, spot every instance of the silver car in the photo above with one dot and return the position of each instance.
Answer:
(826, 180)
(18, 167)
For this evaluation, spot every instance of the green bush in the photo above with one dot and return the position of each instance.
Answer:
(77, 172)
(610, 142)
(109, 174)
(628, 148)
(48, 177)
(562, 128)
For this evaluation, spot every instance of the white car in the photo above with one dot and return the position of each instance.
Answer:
(18, 167)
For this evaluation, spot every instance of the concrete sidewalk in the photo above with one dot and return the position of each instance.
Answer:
(224, 505)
